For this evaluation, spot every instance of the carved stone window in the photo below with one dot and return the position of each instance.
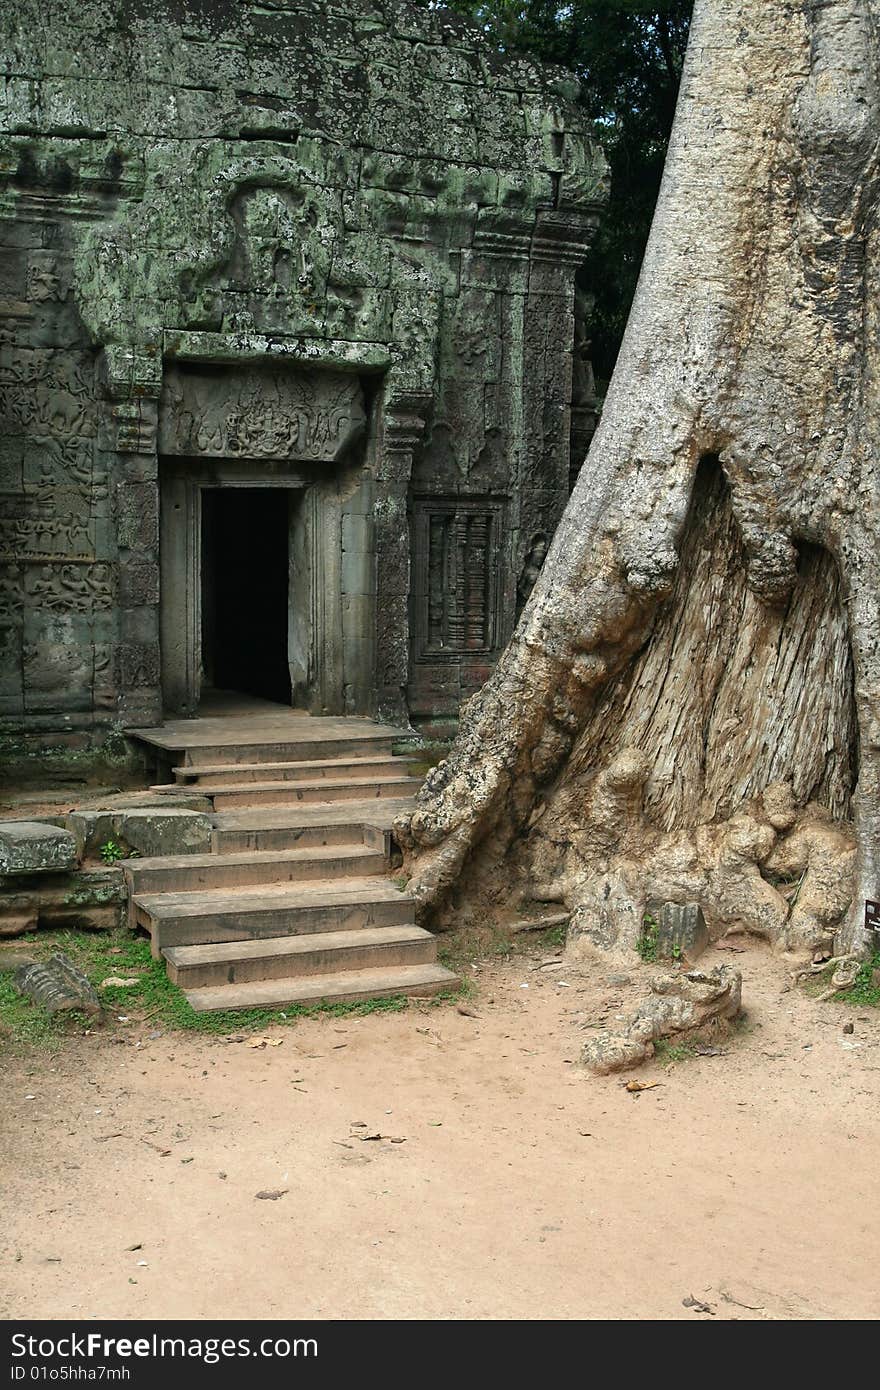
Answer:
(456, 574)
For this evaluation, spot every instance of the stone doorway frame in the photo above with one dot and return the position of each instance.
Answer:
(402, 403)
(182, 482)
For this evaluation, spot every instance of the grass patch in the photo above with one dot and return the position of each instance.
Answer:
(864, 991)
(667, 1052)
(154, 1000)
(550, 939)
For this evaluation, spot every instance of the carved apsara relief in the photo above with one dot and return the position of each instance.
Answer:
(72, 588)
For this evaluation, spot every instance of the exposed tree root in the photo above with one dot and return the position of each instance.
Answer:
(696, 1005)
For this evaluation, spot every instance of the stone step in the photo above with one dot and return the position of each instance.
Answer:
(191, 873)
(341, 987)
(222, 775)
(286, 957)
(274, 834)
(293, 793)
(191, 919)
(278, 750)
(304, 824)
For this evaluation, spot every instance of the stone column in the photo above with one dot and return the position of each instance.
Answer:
(499, 260)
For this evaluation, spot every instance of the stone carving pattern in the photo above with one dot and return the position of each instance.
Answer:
(458, 562)
(274, 414)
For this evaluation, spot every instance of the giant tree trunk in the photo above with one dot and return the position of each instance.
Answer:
(690, 706)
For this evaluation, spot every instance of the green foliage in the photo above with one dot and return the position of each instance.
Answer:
(628, 56)
(668, 1052)
(649, 939)
(112, 851)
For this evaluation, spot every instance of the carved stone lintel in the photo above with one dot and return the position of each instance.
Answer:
(266, 411)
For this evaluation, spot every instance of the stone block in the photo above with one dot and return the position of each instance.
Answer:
(681, 929)
(29, 847)
(137, 512)
(138, 583)
(15, 920)
(57, 676)
(137, 665)
(150, 831)
(89, 900)
(357, 572)
(13, 275)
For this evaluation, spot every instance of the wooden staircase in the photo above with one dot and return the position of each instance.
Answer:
(295, 904)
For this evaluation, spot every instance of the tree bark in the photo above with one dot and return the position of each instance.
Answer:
(690, 704)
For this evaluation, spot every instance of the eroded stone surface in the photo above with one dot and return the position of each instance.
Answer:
(57, 984)
(681, 929)
(91, 899)
(30, 847)
(149, 831)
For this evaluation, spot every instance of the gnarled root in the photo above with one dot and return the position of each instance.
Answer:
(697, 1003)
(773, 870)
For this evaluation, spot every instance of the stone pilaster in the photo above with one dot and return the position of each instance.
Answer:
(400, 433)
(132, 381)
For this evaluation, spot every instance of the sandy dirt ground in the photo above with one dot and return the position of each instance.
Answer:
(508, 1183)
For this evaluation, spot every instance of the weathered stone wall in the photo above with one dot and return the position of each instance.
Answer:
(361, 187)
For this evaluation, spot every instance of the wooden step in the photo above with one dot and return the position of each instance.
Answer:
(190, 919)
(341, 987)
(274, 834)
(292, 793)
(285, 957)
(222, 775)
(190, 873)
(279, 750)
(304, 824)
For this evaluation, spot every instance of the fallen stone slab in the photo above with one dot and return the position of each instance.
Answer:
(681, 929)
(57, 984)
(149, 831)
(31, 847)
(693, 1004)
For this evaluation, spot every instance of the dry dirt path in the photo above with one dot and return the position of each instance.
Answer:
(524, 1188)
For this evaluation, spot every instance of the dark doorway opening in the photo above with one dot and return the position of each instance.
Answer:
(245, 579)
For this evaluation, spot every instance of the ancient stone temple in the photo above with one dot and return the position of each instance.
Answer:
(288, 318)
